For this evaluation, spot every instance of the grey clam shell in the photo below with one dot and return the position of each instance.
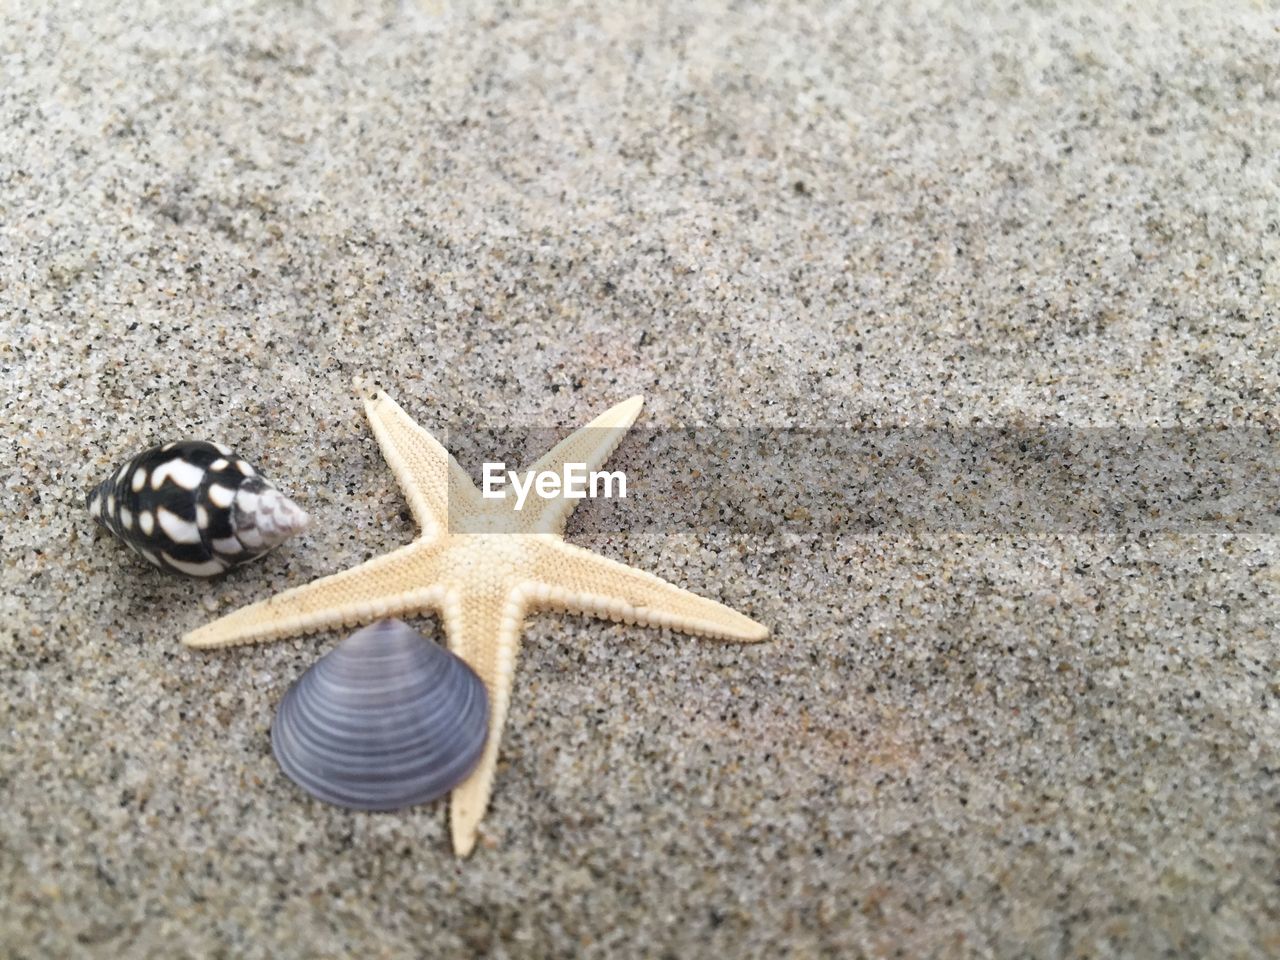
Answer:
(385, 720)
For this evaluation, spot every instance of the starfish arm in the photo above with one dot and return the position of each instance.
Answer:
(590, 445)
(487, 636)
(393, 584)
(576, 579)
(427, 473)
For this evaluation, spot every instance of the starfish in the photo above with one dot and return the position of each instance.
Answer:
(481, 567)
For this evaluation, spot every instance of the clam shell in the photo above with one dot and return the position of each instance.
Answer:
(385, 720)
(194, 507)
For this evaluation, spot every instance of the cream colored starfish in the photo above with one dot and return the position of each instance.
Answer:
(481, 566)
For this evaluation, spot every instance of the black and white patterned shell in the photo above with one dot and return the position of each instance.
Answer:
(195, 508)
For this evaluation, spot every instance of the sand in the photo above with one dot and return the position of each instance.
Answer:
(233, 221)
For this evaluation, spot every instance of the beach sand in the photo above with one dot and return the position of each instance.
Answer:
(234, 221)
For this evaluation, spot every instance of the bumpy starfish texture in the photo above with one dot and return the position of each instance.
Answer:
(481, 566)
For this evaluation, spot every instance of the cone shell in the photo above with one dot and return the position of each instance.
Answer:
(195, 508)
(386, 720)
